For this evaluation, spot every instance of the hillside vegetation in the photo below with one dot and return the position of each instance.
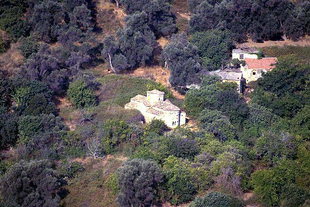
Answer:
(68, 67)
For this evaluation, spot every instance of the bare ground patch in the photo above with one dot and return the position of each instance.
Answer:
(12, 59)
(159, 74)
(286, 42)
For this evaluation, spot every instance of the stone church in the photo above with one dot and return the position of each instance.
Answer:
(155, 106)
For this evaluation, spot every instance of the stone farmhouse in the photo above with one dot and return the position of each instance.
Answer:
(253, 67)
(155, 106)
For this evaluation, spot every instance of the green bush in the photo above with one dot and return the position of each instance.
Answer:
(4, 45)
(216, 199)
(114, 133)
(28, 46)
(80, 95)
(139, 181)
(112, 183)
(179, 182)
(71, 169)
(156, 126)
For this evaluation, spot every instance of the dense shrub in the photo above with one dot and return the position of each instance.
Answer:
(182, 58)
(4, 45)
(43, 125)
(179, 182)
(8, 130)
(217, 124)
(214, 47)
(80, 95)
(214, 95)
(156, 126)
(114, 133)
(272, 146)
(284, 90)
(181, 147)
(6, 89)
(28, 46)
(139, 181)
(261, 20)
(32, 183)
(33, 98)
(216, 199)
(280, 184)
(133, 46)
(160, 18)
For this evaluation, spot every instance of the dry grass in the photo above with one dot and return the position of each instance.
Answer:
(159, 74)
(286, 42)
(12, 59)
(109, 17)
(89, 188)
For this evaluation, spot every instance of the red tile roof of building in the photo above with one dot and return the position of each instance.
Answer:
(264, 63)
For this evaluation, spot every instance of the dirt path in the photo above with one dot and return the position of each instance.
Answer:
(109, 18)
(302, 42)
(159, 74)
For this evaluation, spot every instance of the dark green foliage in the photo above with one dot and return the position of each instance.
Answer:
(284, 90)
(28, 46)
(216, 199)
(139, 181)
(81, 95)
(214, 47)
(262, 20)
(182, 58)
(114, 133)
(260, 116)
(8, 130)
(40, 136)
(219, 125)
(159, 17)
(301, 123)
(32, 183)
(156, 126)
(181, 147)
(71, 169)
(4, 45)
(81, 18)
(133, 47)
(33, 98)
(11, 13)
(6, 89)
(45, 20)
(43, 125)
(217, 96)
(272, 147)
(46, 66)
(277, 185)
(137, 41)
(179, 182)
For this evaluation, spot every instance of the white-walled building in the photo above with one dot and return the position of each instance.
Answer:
(245, 53)
(154, 106)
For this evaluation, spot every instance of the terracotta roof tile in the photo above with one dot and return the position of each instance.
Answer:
(264, 63)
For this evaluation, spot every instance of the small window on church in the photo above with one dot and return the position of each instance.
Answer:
(241, 56)
(254, 73)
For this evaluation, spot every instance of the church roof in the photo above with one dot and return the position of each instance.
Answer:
(156, 92)
(165, 105)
